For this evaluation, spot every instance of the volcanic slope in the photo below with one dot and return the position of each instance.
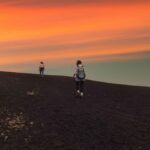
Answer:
(43, 114)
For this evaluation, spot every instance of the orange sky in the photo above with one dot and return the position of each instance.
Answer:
(83, 31)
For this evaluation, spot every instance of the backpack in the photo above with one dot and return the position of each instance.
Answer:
(81, 73)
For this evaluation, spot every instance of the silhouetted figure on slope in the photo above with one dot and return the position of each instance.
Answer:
(79, 77)
(41, 69)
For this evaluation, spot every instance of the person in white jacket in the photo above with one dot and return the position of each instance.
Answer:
(41, 69)
(79, 77)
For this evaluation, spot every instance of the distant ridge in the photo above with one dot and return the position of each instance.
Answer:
(63, 76)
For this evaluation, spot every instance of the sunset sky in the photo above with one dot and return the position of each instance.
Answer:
(112, 37)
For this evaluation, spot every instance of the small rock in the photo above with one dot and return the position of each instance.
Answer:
(26, 140)
(42, 124)
(31, 123)
(5, 138)
(118, 107)
(140, 147)
(2, 134)
(30, 93)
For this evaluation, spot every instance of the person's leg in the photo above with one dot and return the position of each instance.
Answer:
(77, 87)
(42, 71)
(81, 87)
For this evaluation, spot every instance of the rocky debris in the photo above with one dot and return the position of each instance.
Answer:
(30, 93)
(12, 123)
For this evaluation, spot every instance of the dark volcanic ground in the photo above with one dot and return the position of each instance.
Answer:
(43, 114)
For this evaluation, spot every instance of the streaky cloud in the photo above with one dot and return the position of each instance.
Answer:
(64, 2)
(139, 55)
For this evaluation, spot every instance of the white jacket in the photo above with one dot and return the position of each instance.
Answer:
(41, 66)
(75, 74)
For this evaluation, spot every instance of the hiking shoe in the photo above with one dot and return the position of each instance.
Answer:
(78, 91)
(81, 94)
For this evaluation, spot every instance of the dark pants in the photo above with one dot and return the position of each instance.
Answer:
(41, 71)
(80, 86)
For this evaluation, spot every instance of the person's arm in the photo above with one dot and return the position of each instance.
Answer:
(75, 73)
(84, 71)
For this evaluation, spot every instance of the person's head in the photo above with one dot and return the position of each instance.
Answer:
(41, 62)
(79, 62)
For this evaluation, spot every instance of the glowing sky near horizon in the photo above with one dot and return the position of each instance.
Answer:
(59, 32)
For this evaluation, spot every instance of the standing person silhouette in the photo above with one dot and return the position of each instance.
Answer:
(41, 69)
(79, 77)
